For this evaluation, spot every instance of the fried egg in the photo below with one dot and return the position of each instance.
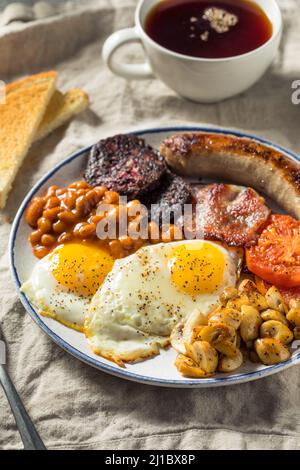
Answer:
(145, 295)
(63, 283)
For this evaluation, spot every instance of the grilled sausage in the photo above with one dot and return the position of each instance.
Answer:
(237, 159)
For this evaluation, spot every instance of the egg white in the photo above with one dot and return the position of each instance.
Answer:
(135, 310)
(53, 300)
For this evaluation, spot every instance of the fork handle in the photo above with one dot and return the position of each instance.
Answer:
(28, 433)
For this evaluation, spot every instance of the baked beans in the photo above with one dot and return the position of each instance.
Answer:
(71, 214)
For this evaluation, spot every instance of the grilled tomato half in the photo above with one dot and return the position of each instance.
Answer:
(276, 256)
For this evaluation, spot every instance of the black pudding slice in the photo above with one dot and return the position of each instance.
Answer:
(125, 164)
(169, 198)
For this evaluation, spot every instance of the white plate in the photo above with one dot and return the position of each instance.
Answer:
(159, 370)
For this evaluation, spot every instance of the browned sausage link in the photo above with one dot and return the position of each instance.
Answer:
(237, 159)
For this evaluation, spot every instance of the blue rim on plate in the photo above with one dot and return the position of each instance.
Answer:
(114, 370)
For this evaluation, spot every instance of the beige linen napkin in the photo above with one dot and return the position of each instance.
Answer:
(73, 405)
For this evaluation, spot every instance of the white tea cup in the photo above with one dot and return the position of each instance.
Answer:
(199, 79)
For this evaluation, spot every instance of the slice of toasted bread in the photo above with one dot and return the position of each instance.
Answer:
(28, 81)
(20, 117)
(61, 109)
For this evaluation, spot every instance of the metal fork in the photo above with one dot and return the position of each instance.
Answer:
(28, 433)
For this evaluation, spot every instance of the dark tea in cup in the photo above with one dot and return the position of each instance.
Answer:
(210, 29)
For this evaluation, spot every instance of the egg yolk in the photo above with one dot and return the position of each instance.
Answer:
(81, 268)
(197, 269)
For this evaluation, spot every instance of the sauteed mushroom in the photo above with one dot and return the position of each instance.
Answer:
(277, 330)
(189, 368)
(184, 333)
(222, 337)
(293, 317)
(230, 364)
(271, 314)
(204, 355)
(271, 351)
(229, 316)
(249, 289)
(250, 323)
(275, 300)
(228, 294)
